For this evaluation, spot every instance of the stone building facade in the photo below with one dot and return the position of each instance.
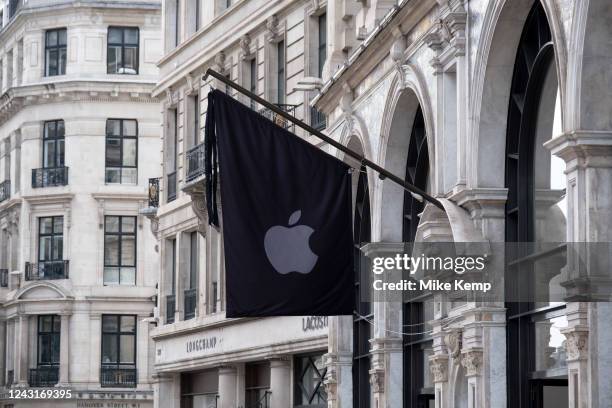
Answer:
(499, 109)
(78, 126)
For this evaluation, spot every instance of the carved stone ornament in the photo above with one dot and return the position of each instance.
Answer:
(245, 45)
(377, 380)
(438, 367)
(472, 361)
(272, 24)
(220, 60)
(453, 342)
(577, 344)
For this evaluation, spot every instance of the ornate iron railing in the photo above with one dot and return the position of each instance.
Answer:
(195, 162)
(46, 270)
(154, 192)
(5, 190)
(318, 120)
(279, 120)
(44, 376)
(4, 278)
(171, 186)
(170, 308)
(49, 177)
(118, 377)
(191, 301)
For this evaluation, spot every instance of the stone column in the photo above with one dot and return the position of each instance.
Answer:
(64, 370)
(280, 382)
(166, 389)
(227, 387)
(438, 366)
(21, 355)
(472, 361)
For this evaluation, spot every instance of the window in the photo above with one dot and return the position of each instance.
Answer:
(197, 16)
(171, 297)
(121, 151)
(172, 149)
(200, 388)
(195, 101)
(48, 340)
(253, 79)
(309, 382)
(322, 46)
(122, 52)
(119, 250)
(361, 325)
(191, 291)
(280, 78)
(50, 239)
(55, 52)
(118, 362)
(257, 385)
(53, 144)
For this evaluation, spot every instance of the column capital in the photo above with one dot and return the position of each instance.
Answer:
(472, 361)
(438, 365)
(279, 361)
(577, 343)
(227, 370)
(583, 144)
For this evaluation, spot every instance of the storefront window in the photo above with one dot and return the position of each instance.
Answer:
(257, 385)
(309, 387)
(200, 389)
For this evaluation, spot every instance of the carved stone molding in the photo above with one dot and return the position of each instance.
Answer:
(377, 380)
(577, 343)
(472, 361)
(245, 46)
(438, 366)
(453, 341)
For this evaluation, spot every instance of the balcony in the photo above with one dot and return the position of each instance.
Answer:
(279, 120)
(154, 192)
(46, 270)
(49, 177)
(5, 190)
(44, 376)
(4, 278)
(191, 300)
(195, 162)
(118, 377)
(318, 120)
(171, 186)
(170, 308)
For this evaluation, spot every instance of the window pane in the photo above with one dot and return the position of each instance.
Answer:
(128, 276)
(49, 130)
(129, 152)
(130, 65)
(131, 36)
(44, 323)
(61, 37)
(57, 323)
(114, 35)
(58, 247)
(128, 251)
(46, 225)
(114, 59)
(52, 60)
(113, 175)
(51, 38)
(128, 324)
(44, 347)
(61, 69)
(112, 224)
(129, 175)
(128, 224)
(127, 349)
(113, 152)
(59, 162)
(129, 128)
(60, 128)
(113, 127)
(44, 248)
(110, 323)
(111, 276)
(49, 154)
(111, 250)
(58, 225)
(109, 349)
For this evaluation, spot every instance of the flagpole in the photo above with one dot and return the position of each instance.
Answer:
(414, 190)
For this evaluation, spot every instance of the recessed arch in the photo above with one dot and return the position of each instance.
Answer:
(42, 290)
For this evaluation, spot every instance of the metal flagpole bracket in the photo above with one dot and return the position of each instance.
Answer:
(383, 173)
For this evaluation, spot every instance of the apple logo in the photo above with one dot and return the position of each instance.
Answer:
(288, 249)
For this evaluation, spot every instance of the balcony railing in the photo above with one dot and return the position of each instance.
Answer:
(279, 120)
(191, 300)
(154, 192)
(46, 270)
(318, 120)
(44, 376)
(195, 162)
(10, 378)
(5, 190)
(118, 377)
(4, 278)
(171, 186)
(49, 177)
(170, 308)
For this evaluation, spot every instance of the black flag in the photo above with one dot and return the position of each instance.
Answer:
(286, 209)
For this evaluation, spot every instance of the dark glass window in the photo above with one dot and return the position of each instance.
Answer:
(253, 79)
(280, 73)
(257, 385)
(361, 321)
(196, 119)
(50, 239)
(193, 260)
(119, 341)
(122, 51)
(55, 52)
(309, 377)
(121, 151)
(53, 144)
(197, 14)
(119, 250)
(49, 340)
(322, 46)
(171, 179)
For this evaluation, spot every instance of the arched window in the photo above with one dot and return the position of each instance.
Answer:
(418, 389)
(535, 225)
(361, 326)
